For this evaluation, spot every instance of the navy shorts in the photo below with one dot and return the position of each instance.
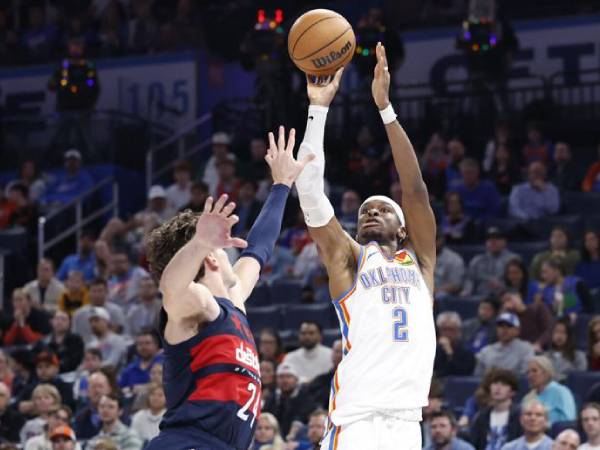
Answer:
(186, 438)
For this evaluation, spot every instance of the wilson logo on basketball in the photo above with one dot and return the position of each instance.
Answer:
(333, 56)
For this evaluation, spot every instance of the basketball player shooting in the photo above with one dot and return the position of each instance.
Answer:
(211, 369)
(382, 284)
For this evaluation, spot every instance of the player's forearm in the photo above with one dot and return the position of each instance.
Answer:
(405, 159)
(183, 267)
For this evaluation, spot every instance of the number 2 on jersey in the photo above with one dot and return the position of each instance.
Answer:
(254, 398)
(400, 325)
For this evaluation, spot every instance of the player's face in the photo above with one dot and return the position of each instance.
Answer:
(441, 431)
(590, 420)
(533, 419)
(377, 221)
(500, 392)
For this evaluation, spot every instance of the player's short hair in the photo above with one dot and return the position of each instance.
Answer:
(440, 414)
(163, 242)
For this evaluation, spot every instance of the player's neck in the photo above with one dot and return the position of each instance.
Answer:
(389, 249)
(214, 283)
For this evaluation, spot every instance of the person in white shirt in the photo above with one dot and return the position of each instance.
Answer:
(590, 421)
(179, 194)
(145, 422)
(46, 288)
(220, 152)
(312, 358)
(144, 311)
(112, 346)
(567, 440)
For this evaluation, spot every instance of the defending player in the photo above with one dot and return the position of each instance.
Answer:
(382, 284)
(211, 370)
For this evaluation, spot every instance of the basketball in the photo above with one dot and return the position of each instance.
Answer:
(320, 42)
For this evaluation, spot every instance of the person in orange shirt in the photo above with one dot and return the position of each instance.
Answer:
(76, 294)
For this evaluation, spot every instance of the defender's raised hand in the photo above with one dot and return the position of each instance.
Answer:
(380, 88)
(280, 158)
(213, 229)
(321, 90)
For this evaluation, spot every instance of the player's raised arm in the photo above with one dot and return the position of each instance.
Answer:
(338, 251)
(267, 226)
(420, 220)
(182, 296)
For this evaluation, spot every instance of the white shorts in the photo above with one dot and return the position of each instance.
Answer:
(377, 432)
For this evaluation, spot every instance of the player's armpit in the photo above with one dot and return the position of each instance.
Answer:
(339, 253)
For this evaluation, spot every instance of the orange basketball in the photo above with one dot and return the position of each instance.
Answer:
(320, 42)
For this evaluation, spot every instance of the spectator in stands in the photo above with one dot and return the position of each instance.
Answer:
(516, 279)
(63, 438)
(57, 418)
(449, 269)
(372, 178)
(563, 351)
(501, 138)
(564, 173)
(534, 198)
(535, 318)
(83, 261)
(497, 424)
(68, 185)
(28, 324)
(146, 307)
(434, 405)
(113, 346)
(443, 433)
(45, 290)
(98, 291)
(92, 362)
(593, 344)
(7, 374)
(11, 421)
(38, 40)
(456, 154)
(24, 369)
(25, 214)
(220, 151)
(45, 401)
(534, 420)
(157, 211)
(452, 358)
(145, 422)
(557, 399)
(46, 369)
(290, 402)
(156, 377)
(312, 358)
(247, 207)
(559, 247)
(485, 272)
(456, 226)
(267, 434)
(267, 379)
(317, 422)
(198, 196)
(143, 28)
(591, 182)
(111, 33)
(588, 269)
(567, 440)
(349, 211)
(590, 422)
(137, 374)
(256, 169)
(7, 209)
(481, 330)
(504, 172)
(178, 194)
(433, 165)
(75, 295)
(537, 148)
(66, 345)
(564, 294)
(87, 420)
(270, 347)
(228, 181)
(320, 387)
(509, 352)
(124, 282)
(480, 198)
(110, 410)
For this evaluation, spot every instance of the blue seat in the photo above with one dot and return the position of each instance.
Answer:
(523, 389)
(580, 202)
(559, 427)
(260, 297)
(458, 389)
(295, 315)
(465, 307)
(468, 251)
(264, 317)
(286, 292)
(592, 221)
(543, 227)
(580, 383)
(581, 330)
(527, 250)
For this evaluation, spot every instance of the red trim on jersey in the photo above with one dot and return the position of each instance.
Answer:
(221, 349)
(224, 387)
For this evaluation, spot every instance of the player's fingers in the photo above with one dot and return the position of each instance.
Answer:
(291, 141)
(338, 77)
(228, 208)
(237, 242)
(208, 204)
(281, 139)
(220, 203)
(232, 220)
(272, 144)
(384, 56)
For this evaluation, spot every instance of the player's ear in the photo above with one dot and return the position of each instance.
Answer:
(211, 262)
(402, 234)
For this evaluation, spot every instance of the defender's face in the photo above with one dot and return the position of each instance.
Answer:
(377, 221)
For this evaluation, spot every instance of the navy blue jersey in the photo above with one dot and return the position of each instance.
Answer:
(212, 380)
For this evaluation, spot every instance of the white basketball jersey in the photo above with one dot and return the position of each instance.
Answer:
(388, 340)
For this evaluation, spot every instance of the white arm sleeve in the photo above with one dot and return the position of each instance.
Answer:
(310, 183)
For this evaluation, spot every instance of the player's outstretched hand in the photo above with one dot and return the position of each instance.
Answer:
(280, 158)
(380, 88)
(321, 90)
(213, 228)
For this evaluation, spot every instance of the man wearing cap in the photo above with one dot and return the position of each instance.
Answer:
(509, 352)
(73, 182)
(220, 152)
(485, 272)
(113, 346)
(290, 402)
(63, 438)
